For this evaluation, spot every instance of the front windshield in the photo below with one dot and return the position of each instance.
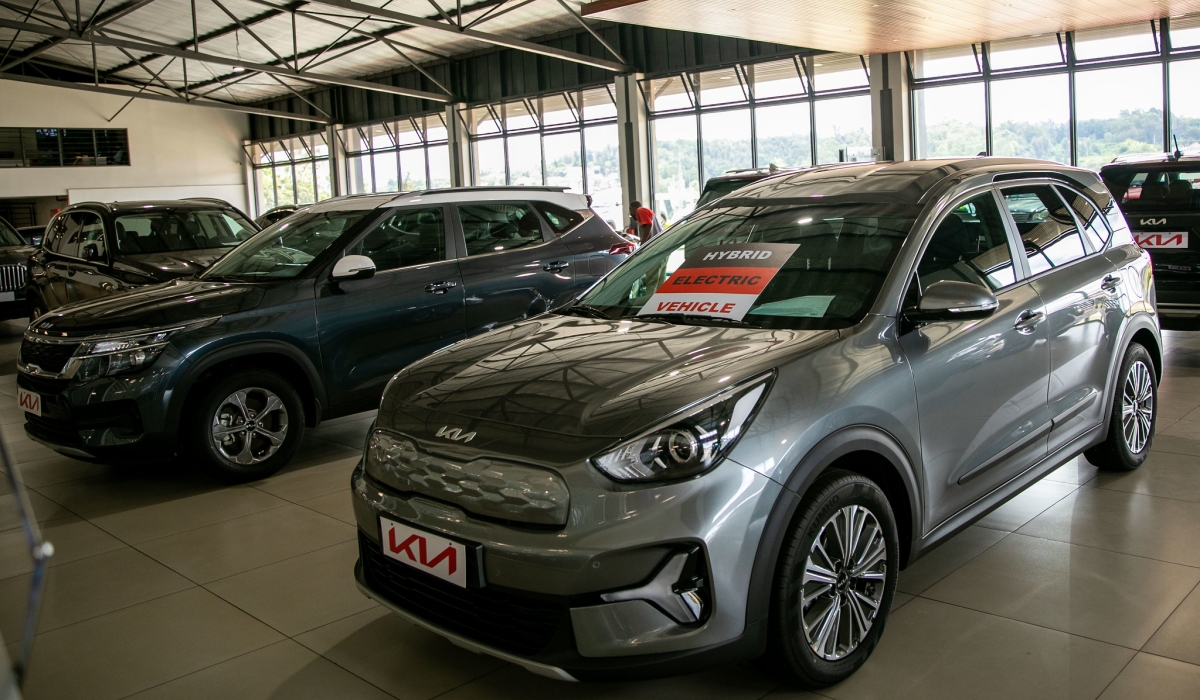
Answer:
(9, 235)
(829, 260)
(286, 248)
(166, 230)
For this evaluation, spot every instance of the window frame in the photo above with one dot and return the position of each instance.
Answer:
(1038, 181)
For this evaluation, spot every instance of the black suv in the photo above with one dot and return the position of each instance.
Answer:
(305, 321)
(14, 258)
(1160, 195)
(92, 250)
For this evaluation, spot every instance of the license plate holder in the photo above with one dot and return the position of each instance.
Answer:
(452, 560)
(29, 401)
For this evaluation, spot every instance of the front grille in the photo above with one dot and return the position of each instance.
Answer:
(49, 357)
(519, 624)
(53, 431)
(12, 277)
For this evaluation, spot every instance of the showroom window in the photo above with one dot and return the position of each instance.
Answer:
(566, 139)
(52, 147)
(404, 155)
(291, 171)
(788, 113)
(1082, 97)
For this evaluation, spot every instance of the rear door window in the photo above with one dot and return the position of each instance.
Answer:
(1047, 227)
(1095, 229)
(497, 227)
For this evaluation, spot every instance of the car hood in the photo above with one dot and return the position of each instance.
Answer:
(589, 379)
(154, 306)
(172, 264)
(15, 254)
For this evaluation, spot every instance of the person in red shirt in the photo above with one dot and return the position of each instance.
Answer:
(644, 219)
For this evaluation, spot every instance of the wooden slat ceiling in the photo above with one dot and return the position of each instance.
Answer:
(880, 26)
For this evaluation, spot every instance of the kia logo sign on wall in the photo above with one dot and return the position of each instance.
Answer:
(425, 551)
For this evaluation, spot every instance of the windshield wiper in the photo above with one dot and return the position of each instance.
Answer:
(695, 319)
(589, 311)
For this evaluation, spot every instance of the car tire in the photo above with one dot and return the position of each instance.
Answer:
(1128, 444)
(800, 643)
(246, 426)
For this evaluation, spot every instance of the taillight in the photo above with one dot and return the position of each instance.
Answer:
(622, 249)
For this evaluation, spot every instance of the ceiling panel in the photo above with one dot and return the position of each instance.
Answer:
(869, 27)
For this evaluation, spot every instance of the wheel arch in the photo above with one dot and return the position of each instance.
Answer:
(866, 450)
(276, 356)
(1140, 329)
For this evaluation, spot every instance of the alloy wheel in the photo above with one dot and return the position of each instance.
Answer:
(1137, 407)
(843, 583)
(249, 426)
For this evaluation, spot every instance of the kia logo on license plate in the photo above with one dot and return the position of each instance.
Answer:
(1172, 239)
(425, 551)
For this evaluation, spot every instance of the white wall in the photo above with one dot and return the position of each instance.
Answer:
(174, 150)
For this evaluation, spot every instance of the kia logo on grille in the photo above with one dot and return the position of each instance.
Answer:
(455, 434)
(421, 557)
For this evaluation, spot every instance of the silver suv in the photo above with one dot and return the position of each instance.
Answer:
(729, 447)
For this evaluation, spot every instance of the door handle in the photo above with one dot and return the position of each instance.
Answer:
(556, 266)
(1110, 283)
(440, 287)
(1028, 320)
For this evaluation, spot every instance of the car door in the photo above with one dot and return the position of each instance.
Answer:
(413, 305)
(513, 268)
(62, 262)
(980, 384)
(1081, 290)
(48, 288)
(90, 276)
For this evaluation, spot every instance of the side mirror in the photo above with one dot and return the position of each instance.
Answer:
(954, 301)
(352, 267)
(91, 253)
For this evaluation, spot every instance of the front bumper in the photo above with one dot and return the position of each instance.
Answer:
(548, 583)
(107, 419)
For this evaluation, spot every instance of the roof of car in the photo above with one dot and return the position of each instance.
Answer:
(120, 207)
(1144, 158)
(902, 182)
(556, 195)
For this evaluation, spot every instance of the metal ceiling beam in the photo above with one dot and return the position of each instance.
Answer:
(162, 98)
(285, 71)
(111, 16)
(485, 37)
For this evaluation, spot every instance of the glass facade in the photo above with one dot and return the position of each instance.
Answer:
(559, 139)
(789, 113)
(1082, 97)
(291, 171)
(399, 155)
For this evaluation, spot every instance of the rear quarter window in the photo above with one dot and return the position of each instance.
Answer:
(561, 219)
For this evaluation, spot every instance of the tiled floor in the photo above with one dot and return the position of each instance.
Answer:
(166, 585)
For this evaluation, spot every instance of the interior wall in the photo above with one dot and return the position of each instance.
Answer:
(175, 149)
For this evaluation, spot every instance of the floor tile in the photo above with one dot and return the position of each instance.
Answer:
(87, 588)
(1179, 636)
(137, 648)
(1076, 471)
(127, 488)
(900, 600)
(233, 546)
(301, 593)
(72, 538)
(1110, 597)
(937, 564)
(336, 505)
(57, 469)
(402, 659)
(144, 523)
(1155, 677)
(514, 683)
(932, 651)
(316, 480)
(1175, 444)
(1162, 474)
(282, 671)
(1187, 427)
(351, 433)
(1158, 528)
(43, 509)
(1026, 505)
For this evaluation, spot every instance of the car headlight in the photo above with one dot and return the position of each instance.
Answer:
(690, 443)
(108, 355)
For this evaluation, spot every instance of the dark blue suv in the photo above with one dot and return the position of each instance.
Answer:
(305, 321)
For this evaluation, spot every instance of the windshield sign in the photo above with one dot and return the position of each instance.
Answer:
(720, 281)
